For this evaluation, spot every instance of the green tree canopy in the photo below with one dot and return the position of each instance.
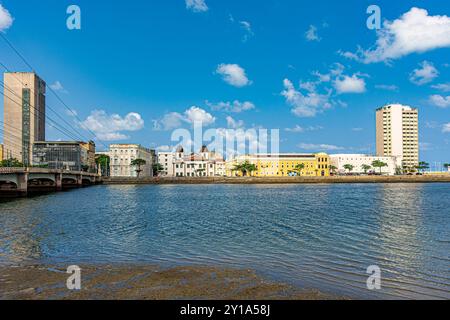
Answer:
(138, 163)
(11, 163)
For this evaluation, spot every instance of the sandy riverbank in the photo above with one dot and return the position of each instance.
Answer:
(283, 180)
(145, 283)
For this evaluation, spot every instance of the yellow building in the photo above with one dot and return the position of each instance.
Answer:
(284, 165)
(1, 152)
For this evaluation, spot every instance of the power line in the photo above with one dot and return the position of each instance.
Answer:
(53, 123)
(47, 106)
(38, 113)
(56, 95)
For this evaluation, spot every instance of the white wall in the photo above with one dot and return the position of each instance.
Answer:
(357, 160)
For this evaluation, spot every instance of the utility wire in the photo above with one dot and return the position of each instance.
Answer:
(56, 95)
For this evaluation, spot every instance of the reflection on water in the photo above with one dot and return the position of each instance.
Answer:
(316, 236)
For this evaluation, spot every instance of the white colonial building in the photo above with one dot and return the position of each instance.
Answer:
(359, 160)
(181, 164)
(122, 155)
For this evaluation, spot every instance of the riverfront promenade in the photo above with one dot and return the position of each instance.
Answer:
(282, 180)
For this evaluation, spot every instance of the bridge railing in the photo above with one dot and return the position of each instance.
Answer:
(11, 170)
(8, 170)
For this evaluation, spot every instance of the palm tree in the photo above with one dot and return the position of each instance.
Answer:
(423, 166)
(240, 168)
(333, 169)
(138, 163)
(299, 169)
(245, 168)
(349, 167)
(250, 168)
(366, 168)
(379, 164)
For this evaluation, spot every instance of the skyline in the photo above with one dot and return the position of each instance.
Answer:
(197, 60)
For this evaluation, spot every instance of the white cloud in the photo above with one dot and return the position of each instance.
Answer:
(169, 121)
(57, 86)
(198, 115)
(248, 30)
(425, 74)
(357, 129)
(71, 112)
(305, 105)
(414, 32)
(6, 20)
(311, 34)
(319, 147)
(164, 148)
(446, 127)
(334, 82)
(425, 146)
(445, 87)
(196, 5)
(440, 101)
(234, 124)
(174, 120)
(388, 87)
(347, 84)
(235, 106)
(233, 74)
(296, 129)
(299, 129)
(109, 127)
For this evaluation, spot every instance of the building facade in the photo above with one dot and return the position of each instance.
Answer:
(65, 155)
(203, 164)
(283, 165)
(360, 160)
(24, 114)
(1, 152)
(122, 155)
(397, 133)
(166, 160)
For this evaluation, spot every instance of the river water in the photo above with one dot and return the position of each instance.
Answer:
(312, 236)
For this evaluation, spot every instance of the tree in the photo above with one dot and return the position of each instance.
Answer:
(138, 163)
(447, 166)
(366, 168)
(245, 168)
(349, 167)
(379, 164)
(199, 172)
(298, 169)
(423, 166)
(11, 163)
(250, 167)
(103, 162)
(157, 169)
(333, 169)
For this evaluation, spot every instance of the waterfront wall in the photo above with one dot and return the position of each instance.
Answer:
(281, 180)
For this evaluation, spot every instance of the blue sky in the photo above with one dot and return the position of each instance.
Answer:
(136, 69)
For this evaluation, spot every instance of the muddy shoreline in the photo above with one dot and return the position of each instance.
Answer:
(145, 282)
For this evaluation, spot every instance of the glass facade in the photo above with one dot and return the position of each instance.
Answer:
(63, 156)
(26, 126)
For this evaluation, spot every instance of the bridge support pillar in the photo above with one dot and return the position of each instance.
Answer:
(22, 183)
(79, 180)
(58, 179)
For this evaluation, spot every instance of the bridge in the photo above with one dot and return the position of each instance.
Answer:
(21, 181)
